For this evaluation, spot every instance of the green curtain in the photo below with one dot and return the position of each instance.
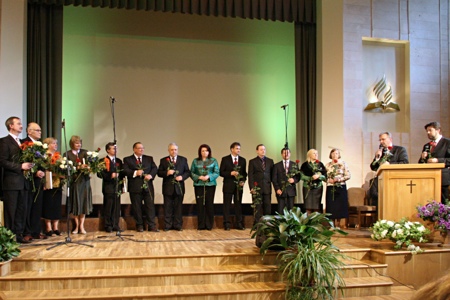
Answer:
(45, 51)
(44, 68)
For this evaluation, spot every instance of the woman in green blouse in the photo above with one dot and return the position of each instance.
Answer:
(204, 172)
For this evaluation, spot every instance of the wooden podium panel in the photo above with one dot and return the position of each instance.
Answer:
(402, 187)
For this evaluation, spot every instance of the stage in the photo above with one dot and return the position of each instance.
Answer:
(193, 264)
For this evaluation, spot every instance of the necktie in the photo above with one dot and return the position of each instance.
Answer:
(235, 161)
(139, 160)
(286, 166)
(433, 145)
(174, 160)
(113, 161)
(18, 141)
(263, 163)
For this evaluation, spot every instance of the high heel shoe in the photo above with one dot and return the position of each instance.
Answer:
(75, 231)
(82, 231)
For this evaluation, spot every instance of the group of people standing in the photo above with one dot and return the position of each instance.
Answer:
(24, 207)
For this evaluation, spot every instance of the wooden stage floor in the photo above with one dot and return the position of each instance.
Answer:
(188, 244)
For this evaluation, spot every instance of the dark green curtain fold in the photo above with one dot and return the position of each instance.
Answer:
(44, 68)
(275, 10)
(305, 79)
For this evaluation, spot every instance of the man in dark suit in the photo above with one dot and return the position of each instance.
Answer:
(284, 178)
(141, 170)
(111, 188)
(174, 170)
(386, 154)
(15, 186)
(437, 151)
(35, 198)
(233, 170)
(260, 172)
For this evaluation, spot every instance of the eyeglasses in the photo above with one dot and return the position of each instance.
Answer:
(38, 130)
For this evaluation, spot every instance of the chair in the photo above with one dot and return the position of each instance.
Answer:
(357, 208)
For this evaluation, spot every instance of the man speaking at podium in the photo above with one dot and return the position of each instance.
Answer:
(437, 151)
(387, 153)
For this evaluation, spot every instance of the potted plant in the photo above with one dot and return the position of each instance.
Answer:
(438, 214)
(9, 249)
(309, 262)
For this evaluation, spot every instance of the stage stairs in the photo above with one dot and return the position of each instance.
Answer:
(240, 275)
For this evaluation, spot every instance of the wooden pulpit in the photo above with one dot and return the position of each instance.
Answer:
(402, 187)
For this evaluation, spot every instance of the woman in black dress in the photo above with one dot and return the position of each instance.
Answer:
(337, 199)
(314, 173)
(51, 209)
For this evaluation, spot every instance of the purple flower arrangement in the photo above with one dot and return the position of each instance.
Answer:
(436, 212)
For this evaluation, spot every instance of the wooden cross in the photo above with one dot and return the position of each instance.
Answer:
(410, 186)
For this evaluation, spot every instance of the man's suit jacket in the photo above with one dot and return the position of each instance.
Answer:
(263, 177)
(279, 175)
(226, 167)
(109, 184)
(13, 178)
(181, 165)
(442, 153)
(130, 165)
(399, 156)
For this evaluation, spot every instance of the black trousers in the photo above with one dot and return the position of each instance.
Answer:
(227, 198)
(34, 211)
(173, 211)
(444, 193)
(204, 197)
(15, 208)
(111, 210)
(264, 208)
(283, 202)
(149, 208)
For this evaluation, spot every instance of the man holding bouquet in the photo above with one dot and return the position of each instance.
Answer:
(285, 175)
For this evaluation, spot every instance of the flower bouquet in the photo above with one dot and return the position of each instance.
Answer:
(56, 168)
(336, 172)
(92, 164)
(257, 198)
(401, 233)
(238, 177)
(35, 153)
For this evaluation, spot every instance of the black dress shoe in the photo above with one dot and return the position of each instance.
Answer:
(140, 229)
(240, 228)
(153, 229)
(57, 232)
(116, 228)
(22, 240)
(49, 233)
(166, 229)
(179, 229)
(227, 228)
(108, 229)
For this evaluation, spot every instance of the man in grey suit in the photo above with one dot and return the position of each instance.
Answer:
(15, 186)
(260, 175)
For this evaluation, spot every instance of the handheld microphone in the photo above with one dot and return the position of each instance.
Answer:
(426, 148)
(380, 147)
(63, 123)
(284, 106)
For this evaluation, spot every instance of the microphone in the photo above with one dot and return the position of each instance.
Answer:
(426, 148)
(284, 106)
(112, 99)
(63, 123)
(380, 147)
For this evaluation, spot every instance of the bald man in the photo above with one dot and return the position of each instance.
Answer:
(35, 199)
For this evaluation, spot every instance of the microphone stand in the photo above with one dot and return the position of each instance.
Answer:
(286, 145)
(68, 239)
(116, 183)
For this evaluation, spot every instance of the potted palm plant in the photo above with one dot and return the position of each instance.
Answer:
(9, 249)
(309, 262)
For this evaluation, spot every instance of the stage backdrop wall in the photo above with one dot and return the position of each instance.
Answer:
(181, 78)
